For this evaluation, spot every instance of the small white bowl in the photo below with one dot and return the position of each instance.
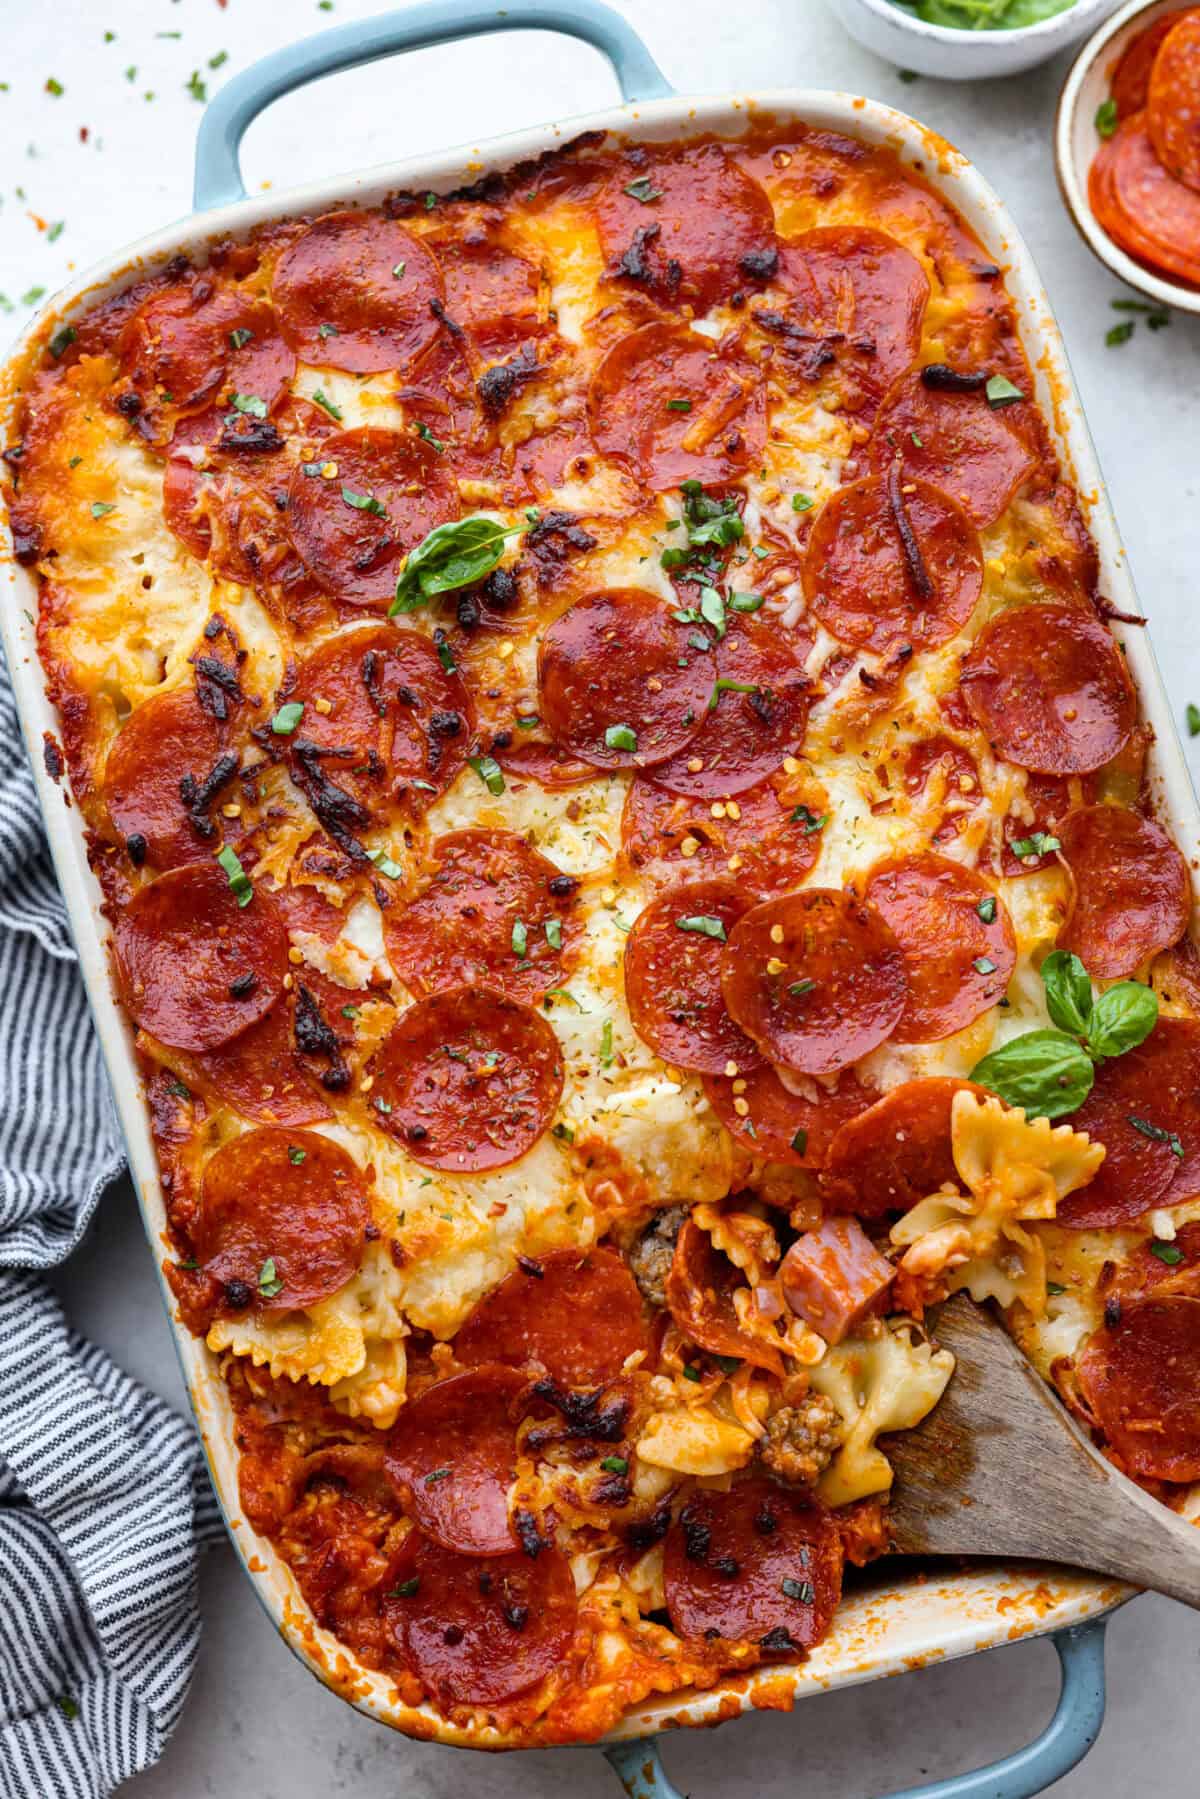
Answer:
(963, 55)
(1076, 141)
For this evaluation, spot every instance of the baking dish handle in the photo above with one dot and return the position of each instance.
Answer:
(218, 167)
(1066, 1739)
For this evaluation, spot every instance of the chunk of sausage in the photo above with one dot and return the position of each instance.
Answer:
(801, 1440)
(650, 1258)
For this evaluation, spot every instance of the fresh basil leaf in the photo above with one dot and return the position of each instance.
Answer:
(1068, 992)
(453, 555)
(1046, 1073)
(1122, 1018)
(712, 610)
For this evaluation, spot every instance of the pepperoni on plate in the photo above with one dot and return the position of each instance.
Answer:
(576, 1313)
(1130, 889)
(1173, 101)
(194, 967)
(280, 1205)
(765, 845)
(1049, 685)
(1145, 1109)
(700, 1285)
(488, 917)
(620, 685)
(260, 1075)
(368, 278)
(779, 1125)
(160, 745)
(471, 1080)
(893, 563)
(896, 1152)
(1144, 209)
(352, 529)
(1131, 78)
(452, 1459)
(673, 958)
(958, 943)
(956, 441)
(673, 406)
(755, 714)
(816, 978)
(686, 227)
(1140, 1378)
(477, 1632)
(754, 1563)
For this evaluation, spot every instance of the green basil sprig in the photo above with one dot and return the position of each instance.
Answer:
(1050, 1073)
(453, 555)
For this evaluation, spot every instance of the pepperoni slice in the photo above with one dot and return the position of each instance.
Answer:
(1145, 1272)
(1142, 207)
(1173, 101)
(1048, 798)
(941, 774)
(766, 845)
(755, 715)
(816, 978)
(753, 1564)
(179, 345)
(285, 1206)
(779, 1125)
(163, 742)
(575, 1313)
(368, 278)
(1131, 77)
(452, 1459)
(855, 302)
(472, 1080)
(1141, 1380)
(1158, 1085)
(672, 406)
(892, 563)
(544, 763)
(392, 723)
(958, 943)
(1049, 686)
(1130, 889)
(896, 1152)
(958, 442)
(353, 528)
(489, 917)
(194, 968)
(491, 291)
(478, 1632)
(620, 685)
(699, 1289)
(260, 1075)
(686, 227)
(673, 977)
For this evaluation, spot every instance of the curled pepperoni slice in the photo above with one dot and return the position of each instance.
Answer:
(543, 763)
(781, 1126)
(489, 917)
(687, 226)
(491, 291)
(160, 745)
(699, 1289)
(956, 441)
(893, 562)
(1145, 1109)
(259, 1074)
(941, 776)
(180, 345)
(958, 943)
(766, 845)
(277, 1205)
(1031, 829)
(753, 1564)
(755, 715)
(1049, 686)
(896, 1152)
(1131, 78)
(351, 529)
(1173, 101)
(1143, 1271)
(1130, 889)
(471, 1080)
(392, 723)
(855, 302)
(478, 1632)
(575, 1313)
(1144, 209)
(672, 406)
(452, 1459)
(816, 978)
(673, 977)
(620, 685)
(194, 968)
(368, 278)
(1141, 1380)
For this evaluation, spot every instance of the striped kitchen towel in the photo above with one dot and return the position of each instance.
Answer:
(103, 1491)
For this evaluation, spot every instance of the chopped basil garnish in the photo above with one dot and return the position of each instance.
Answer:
(643, 189)
(1166, 1252)
(553, 930)
(102, 508)
(250, 404)
(1053, 1288)
(239, 881)
(386, 865)
(406, 1589)
(296, 1156)
(745, 602)
(615, 1464)
(621, 737)
(364, 502)
(1041, 843)
(445, 652)
(800, 1142)
(489, 772)
(798, 989)
(1106, 120)
(984, 965)
(986, 910)
(422, 430)
(802, 502)
(287, 718)
(606, 1044)
(1001, 392)
(690, 1373)
(679, 405)
(721, 685)
(564, 1132)
(62, 340)
(704, 926)
(322, 399)
(520, 937)
(327, 330)
(712, 610)
(1157, 1135)
(811, 821)
(398, 271)
(1119, 334)
(239, 337)
(269, 1282)
(1193, 720)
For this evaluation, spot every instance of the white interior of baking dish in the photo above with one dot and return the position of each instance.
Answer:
(885, 1627)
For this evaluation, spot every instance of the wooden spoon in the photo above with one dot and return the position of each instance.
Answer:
(999, 1468)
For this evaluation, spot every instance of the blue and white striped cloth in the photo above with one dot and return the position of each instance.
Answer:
(103, 1491)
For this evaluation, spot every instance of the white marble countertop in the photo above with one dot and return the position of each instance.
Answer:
(110, 157)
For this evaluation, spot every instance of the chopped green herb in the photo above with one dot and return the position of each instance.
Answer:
(295, 1155)
(1041, 843)
(722, 685)
(1106, 120)
(55, 231)
(606, 1044)
(406, 1589)
(564, 1132)
(74, 461)
(564, 993)
(67, 1707)
(349, 1011)
(800, 1143)
(703, 925)
(798, 989)
(287, 718)
(453, 555)
(802, 502)
(615, 1464)
(1166, 1252)
(102, 508)
(1119, 334)
(984, 965)
(251, 404)
(240, 883)
(679, 405)
(219, 60)
(986, 909)
(327, 330)
(553, 930)
(1156, 1134)
(620, 737)
(55, 87)
(431, 201)
(321, 399)
(520, 937)
(239, 337)
(761, 552)
(529, 721)
(811, 821)
(1054, 1288)
(422, 430)
(32, 295)
(643, 189)
(445, 652)
(489, 772)
(270, 1284)
(194, 86)
(1193, 720)
(386, 865)
(62, 340)
(908, 75)
(1001, 392)
(712, 610)
(398, 270)
(745, 602)
(364, 502)
(436, 1474)
(690, 1373)
(177, 1087)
